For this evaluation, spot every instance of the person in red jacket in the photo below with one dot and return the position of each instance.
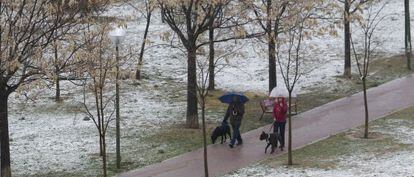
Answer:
(279, 115)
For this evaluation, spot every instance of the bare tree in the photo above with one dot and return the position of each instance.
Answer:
(351, 7)
(226, 21)
(291, 54)
(269, 15)
(27, 28)
(146, 8)
(189, 19)
(202, 90)
(149, 8)
(98, 65)
(228, 25)
(62, 60)
(273, 17)
(289, 67)
(364, 50)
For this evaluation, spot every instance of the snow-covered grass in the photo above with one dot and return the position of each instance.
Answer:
(251, 63)
(327, 54)
(49, 138)
(340, 155)
(391, 165)
(52, 137)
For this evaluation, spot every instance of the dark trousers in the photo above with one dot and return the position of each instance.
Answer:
(236, 132)
(279, 127)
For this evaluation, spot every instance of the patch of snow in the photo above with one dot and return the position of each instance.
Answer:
(54, 137)
(393, 164)
(403, 134)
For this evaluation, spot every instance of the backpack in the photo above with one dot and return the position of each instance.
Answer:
(236, 113)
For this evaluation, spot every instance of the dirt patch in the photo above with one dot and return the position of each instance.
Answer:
(360, 136)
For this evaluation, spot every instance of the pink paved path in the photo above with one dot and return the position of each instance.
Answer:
(308, 127)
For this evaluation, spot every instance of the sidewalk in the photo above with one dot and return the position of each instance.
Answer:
(308, 127)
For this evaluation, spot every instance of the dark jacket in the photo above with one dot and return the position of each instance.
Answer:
(235, 112)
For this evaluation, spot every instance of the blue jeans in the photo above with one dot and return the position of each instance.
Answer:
(279, 127)
(236, 133)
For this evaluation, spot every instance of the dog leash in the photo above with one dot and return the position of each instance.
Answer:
(270, 128)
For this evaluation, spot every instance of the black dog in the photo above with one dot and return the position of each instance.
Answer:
(271, 140)
(221, 131)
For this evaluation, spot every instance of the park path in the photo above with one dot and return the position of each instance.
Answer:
(308, 127)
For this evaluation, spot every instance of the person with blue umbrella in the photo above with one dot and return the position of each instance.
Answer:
(235, 112)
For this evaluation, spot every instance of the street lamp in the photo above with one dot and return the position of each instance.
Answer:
(117, 36)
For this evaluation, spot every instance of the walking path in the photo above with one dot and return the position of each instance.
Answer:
(308, 127)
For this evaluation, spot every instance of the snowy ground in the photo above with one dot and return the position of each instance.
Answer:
(251, 62)
(391, 165)
(368, 164)
(50, 137)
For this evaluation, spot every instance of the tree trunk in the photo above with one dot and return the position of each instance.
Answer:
(101, 121)
(272, 64)
(98, 113)
(57, 96)
(104, 155)
(211, 65)
(57, 72)
(4, 134)
(347, 39)
(408, 48)
(141, 54)
(84, 8)
(192, 108)
(101, 153)
(366, 107)
(290, 161)
(271, 46)
(203, 108)
(162, 16)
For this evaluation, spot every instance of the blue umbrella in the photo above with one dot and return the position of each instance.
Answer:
(228, 98)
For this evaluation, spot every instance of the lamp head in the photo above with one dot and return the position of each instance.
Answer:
(117, 35)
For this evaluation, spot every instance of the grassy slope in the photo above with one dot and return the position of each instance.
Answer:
(175, 140)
